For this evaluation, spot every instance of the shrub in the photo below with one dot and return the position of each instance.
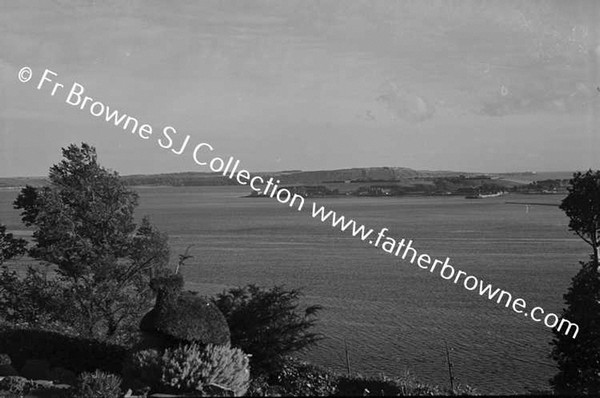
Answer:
(357, 385)
(265, 323)
(16, 385)
(97, 385)
(382, 386)
(182, 317)
(143, 368)
(19, 387)
(73, 353)
(5, 360)
(297, 378)
(190, 368)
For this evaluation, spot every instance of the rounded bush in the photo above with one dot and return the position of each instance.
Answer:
(183, 317)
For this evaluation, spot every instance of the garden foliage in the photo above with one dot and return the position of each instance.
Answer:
(267, 324)
(183, 317)
(191, 368)
(84, 224)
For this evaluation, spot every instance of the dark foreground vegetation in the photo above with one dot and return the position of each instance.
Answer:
(105, 313)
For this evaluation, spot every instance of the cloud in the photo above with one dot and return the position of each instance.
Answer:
(405, 105)
(571, 97)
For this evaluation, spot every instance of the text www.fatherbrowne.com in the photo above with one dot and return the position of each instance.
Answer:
(448, 272)
(76, 97)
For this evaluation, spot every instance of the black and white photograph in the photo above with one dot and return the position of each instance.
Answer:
(299, 198)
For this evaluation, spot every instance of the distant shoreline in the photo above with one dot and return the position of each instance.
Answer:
(371, 174)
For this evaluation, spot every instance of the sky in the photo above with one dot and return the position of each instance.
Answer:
(483, 86)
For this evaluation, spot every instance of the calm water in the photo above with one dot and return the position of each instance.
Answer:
(393, 315)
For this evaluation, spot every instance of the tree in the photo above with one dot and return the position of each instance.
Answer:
(578, 357)
(84, 224)
(266, 324)
(582, 206)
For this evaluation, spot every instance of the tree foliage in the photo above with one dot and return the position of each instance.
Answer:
(266, 324)
(9, 245)
(84, 224)
(578, 357)
(33, 299)
(582, 206)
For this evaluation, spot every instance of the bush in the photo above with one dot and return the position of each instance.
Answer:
(97, 385)
(16, 385)
(297, 378)
(383, 386)
(190, 368)
(265, 323)
(358, 385)
(182, 317)
(143, 369)
(73, 353)
(5, 360)
(303, 379)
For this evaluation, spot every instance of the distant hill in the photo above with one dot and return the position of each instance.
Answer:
(398, 175)
(530, 176)
(179, 179)
(354, 174)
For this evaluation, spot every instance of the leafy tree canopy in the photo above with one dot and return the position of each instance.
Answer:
(9, 245)
(582, 206)
(578, 359)
(84, 223)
